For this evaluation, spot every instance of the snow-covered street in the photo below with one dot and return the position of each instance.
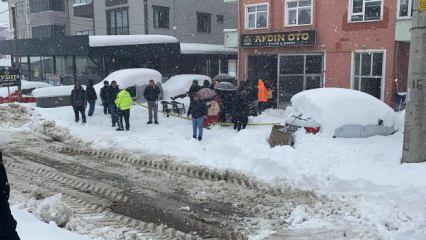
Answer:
(363, 177)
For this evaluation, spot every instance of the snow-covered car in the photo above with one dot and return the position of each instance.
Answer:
(134, 79)
(27, 89)
(180, 84)
(342, 112)
(55, 96)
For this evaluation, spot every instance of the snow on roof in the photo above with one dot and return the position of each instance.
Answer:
(117, 40)
(335, 107)
(24, 85)
(200, 48)
(180, 84)
(56, 91)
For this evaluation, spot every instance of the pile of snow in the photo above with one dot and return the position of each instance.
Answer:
(200, 48)
(30, 228)
(25, 85)
(131, 77)
(52, 209)
(180, 84)
(55, 91)
(335, 107)
(119, 40)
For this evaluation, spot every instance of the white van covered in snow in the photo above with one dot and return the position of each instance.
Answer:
(134, 79)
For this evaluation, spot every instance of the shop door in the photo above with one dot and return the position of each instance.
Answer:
(298, 73)
(263, 67)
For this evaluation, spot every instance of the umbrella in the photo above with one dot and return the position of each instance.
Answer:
(225, 86)
(224, 78)
(206, 93)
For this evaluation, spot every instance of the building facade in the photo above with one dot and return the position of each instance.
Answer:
(296, 45)
(191, 21)
(53, 18)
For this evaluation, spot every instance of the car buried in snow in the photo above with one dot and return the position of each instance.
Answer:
(341, 113)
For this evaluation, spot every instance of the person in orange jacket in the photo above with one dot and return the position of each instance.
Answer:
(262, 95)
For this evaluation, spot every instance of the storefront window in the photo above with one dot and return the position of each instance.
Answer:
(299, 12)
(25, 68)
(298, 73)
(64, 67)
(257, 16)
(36, 69)
(86, 69)
(368, 72)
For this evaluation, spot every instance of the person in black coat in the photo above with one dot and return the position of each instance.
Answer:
(7, 222)
(191, 93)
(240, 110)
(91, 97)
(79, 102)
(110, 100)
(198, 113)
(151, 94)
(105, 92)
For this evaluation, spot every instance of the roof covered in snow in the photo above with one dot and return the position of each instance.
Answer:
(200, 48)
(119, 40)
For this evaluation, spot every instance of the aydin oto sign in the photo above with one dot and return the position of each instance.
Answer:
(278, 39)
(9, 78)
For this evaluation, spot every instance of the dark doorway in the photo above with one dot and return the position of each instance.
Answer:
(264, 67)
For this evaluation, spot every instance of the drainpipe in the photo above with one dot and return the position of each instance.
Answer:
(145, 16)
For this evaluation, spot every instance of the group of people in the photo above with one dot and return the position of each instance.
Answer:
(115, 101)
(204, 112)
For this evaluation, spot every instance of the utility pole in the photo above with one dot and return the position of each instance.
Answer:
(17, 60)
(414, 150)
(145, 16)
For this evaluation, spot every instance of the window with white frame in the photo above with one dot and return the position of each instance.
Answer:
(298, 12)
(405, 8)
(257, 16)
(365, 10)
(368, 72)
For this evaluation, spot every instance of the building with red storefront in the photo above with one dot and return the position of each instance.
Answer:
(295, 45)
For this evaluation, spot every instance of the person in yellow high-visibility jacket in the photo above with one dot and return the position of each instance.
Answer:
(123, 102)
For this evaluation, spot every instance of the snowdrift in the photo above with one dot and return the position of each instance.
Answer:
(335, 107)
